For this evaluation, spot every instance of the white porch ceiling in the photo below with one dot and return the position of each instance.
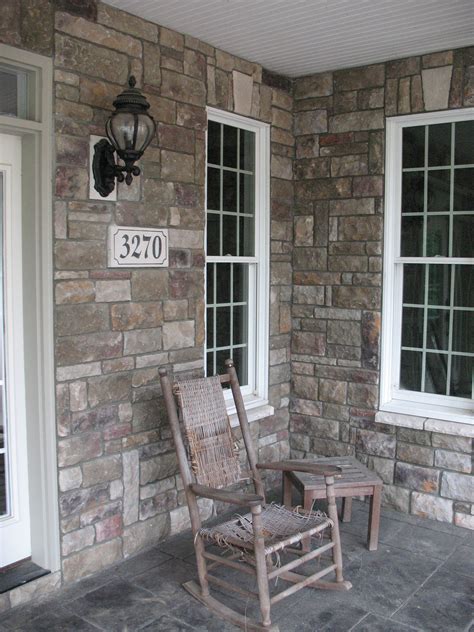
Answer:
(301, 37)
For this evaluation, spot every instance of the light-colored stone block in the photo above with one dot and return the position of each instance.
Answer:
(428, 506)
(33, 590)
(463, 520)
(458, 486)
(243, 89)
(70, 478)
(449, 427)
(396, 419)
(131, 473)
(111, 291)
(436, 83)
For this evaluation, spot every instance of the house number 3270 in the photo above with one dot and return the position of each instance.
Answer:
(137, 247)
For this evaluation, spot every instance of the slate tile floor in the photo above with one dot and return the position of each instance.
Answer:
(421, 578)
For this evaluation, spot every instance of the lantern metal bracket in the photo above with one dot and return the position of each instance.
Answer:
(104, 168)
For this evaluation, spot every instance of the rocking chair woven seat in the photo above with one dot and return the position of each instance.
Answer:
(281, 528)
(209, 461)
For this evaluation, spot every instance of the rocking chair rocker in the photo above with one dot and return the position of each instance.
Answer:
(249, 542)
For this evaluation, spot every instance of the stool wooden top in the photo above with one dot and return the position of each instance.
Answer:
(354, 474)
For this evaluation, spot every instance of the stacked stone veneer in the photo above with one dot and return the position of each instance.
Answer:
(117, 474)
(118, 484)
(337, 281)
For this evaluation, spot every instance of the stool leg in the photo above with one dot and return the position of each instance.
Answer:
(346, 509)
(374, 518)
(286, 489)
(307, 503)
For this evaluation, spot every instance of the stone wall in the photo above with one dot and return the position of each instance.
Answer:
(119, 489)
(337, 263)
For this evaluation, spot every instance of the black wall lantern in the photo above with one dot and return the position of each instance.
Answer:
(130, 130)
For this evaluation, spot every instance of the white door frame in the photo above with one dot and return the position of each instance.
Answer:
(37, 134)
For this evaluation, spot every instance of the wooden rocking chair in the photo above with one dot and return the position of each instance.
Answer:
(250, 541)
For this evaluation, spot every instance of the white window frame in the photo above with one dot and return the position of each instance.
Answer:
(256, 393)
(392, 398)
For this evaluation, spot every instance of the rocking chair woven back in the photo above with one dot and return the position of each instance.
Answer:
(212, 450)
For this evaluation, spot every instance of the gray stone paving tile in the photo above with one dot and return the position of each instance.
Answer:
(168, 624)
(142, 562)
(314, 613)
(443, 603)
(118, 606)
(200, 618)
(461, 562)
(165, 581)
(383, 580)
(58, 622)
(374, 623)
(181, 546)
(435, 544)
(359, 525)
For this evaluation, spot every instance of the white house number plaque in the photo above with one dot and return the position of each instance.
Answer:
(131, 247)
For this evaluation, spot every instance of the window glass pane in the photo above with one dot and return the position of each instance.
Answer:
(240, 332)
(241, 280)
(462, 377)
(437, 331)
(229, 191)
(463, 236)
(213, 232)
(247, 193)
(214, 143)
(413, 147)
(223, 284)
(410, 370)
(464, 147)
(241, 363)
(438, 191)
(221, 357)
(439, 145)
(413, 283)
(437, 237)
(439, 285)
(213, 189)
(247, 150)
(463, 189)
(412, 236)
(247, 241)
(210, 270)
(3, 486)
(436, 373)
(229, 235)
(230, 146)
(413, 192)
(223, 326)
(464, 286)
(412, 327)
(210, 327)
(463, 331)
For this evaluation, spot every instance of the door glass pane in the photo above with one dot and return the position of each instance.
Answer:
(13, 92)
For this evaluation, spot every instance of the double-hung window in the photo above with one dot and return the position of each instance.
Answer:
(237, 251)
(428, 319)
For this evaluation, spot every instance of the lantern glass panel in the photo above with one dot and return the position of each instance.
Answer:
(130, 132)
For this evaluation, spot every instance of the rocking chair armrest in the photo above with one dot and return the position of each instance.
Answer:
(301, 466)
(233, 498)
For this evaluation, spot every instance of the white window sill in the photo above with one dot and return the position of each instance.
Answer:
(256, 407)
(442, 419)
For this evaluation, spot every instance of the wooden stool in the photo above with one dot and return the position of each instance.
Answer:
(356, 480)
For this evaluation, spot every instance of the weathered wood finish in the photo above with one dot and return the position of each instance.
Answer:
(355, 480)
(259, 562)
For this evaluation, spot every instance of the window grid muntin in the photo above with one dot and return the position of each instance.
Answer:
(426, 306)
(238, 214)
